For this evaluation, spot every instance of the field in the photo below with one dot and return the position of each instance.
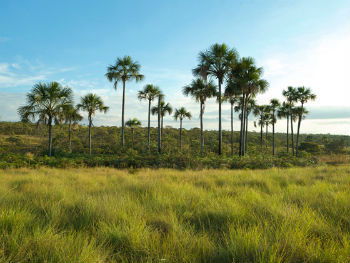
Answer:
(107, 215)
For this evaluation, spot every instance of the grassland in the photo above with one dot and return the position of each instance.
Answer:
(107, 215)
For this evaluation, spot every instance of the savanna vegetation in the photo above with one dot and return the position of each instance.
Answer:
(107, 215)
(221, 74)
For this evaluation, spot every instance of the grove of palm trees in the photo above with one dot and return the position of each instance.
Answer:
(220, 74)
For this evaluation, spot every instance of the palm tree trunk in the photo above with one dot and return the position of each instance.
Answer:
(267, 130)
(287, 133)
(220, 127)
(159, 129)
(273, 138)
(242, 129)
(201, 124)
(246, 134)
(50, 136)
(261, 134)
(123, 110)
(292, 133)
(70, 136)
(149, 125)
(298, 131)
(180, 134)
(90, 124)
(231, 128)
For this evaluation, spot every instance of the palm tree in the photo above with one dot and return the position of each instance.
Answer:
(71, 116)
(165, 108)
(200, 90)
(247, 78)
(274, 106)
(233, 96)
(283, 112)
(181, 114)
(303, 95)
(290, 95)
(262, 112)
(217, 62)
(149, 93)
(124, 69)
(159, 137)
(91, 103)
(133, 123)
(46, 102)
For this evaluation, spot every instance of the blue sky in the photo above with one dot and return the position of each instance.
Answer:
(297, 43)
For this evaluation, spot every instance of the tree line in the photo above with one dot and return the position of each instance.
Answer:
(238, 81)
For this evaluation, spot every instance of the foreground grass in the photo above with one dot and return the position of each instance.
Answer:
(108, 215)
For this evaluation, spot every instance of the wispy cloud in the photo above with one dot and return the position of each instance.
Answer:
(24, 73)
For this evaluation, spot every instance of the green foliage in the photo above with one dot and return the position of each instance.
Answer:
(335, 146)
(107, 215)
(310, 147)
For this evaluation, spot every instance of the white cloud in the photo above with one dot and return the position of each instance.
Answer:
(322, 65)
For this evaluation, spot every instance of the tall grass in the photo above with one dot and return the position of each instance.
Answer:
(107, 215)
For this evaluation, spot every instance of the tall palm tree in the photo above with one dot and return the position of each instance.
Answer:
(124, 69)
(303, 96)
(165, 108)
(181, 114)
(290, 94)
(274, 106)
(283, 112)
(233, 96)
(200, 90)
(46, 102)
(71, 117)
(218, 60)
(247, 77)
(133, 123)
(91, 103)
(149, 93)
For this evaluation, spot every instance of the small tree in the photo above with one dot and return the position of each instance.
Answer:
(71, 116)
(181, 114)
(149, 93)
(91, 103)
(45, 103)
(133, 123)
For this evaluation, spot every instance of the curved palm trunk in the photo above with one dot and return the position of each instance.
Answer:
(50, 136)
(220, 127)
(298, 131)
(201, 124)
(123, 110)
(149, 125)
(159, 130)
(180, 134)
(70, 136)
(231, 128)
(90, 124)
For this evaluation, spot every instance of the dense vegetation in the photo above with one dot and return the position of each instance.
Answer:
(108, 215)
(25, 145)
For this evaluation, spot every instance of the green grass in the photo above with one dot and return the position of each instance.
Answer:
(107, 215)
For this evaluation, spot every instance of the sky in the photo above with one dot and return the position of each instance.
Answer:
(298, 43)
